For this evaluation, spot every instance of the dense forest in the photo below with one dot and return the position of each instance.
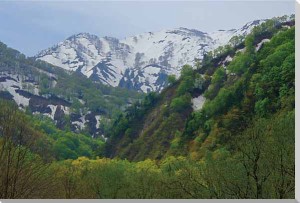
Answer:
(70, 89)
(240, 144)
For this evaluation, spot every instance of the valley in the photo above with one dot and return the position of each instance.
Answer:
(178, 113)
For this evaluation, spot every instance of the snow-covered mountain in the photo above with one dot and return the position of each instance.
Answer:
(140, 62)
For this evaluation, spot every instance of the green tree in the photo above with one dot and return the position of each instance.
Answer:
(171, 79)
(181, 103)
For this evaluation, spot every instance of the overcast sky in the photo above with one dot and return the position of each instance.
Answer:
(33, 26)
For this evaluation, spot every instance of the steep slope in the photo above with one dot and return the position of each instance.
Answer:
(69, 99)
(140, 62)
(209, 107)
(232, 117)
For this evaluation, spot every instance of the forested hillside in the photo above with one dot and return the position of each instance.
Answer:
(68, 98)
(242, 84)
(224, 129)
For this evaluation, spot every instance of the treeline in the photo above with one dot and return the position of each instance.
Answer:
(241, 144)
(263, 167)
(48, 141)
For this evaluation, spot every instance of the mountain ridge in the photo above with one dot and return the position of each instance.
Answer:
(213, 103)
(141, 62)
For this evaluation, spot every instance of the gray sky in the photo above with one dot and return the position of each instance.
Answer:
(33, 26)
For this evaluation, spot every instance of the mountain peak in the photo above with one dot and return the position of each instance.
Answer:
(186, 32)
(83, 35)
(141, 62)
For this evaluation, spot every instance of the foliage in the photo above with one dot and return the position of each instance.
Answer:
(23, 172)
(181, 103)
(241, 144)
(54, 143)
(83, 94)
(171, 79)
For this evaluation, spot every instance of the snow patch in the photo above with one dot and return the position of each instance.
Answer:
(228, 59)
(53, 110)
(81, 101)
(81, 123)
(198, 102)
(259, 45)
(65, 109)
(11, 85)
(104, 138)
(98, 119)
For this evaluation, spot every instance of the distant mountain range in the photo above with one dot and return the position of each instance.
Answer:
(140, 62)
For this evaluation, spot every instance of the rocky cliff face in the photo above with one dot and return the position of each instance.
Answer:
(25, 92)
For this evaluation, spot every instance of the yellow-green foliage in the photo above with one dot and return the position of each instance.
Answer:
(240, 145)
